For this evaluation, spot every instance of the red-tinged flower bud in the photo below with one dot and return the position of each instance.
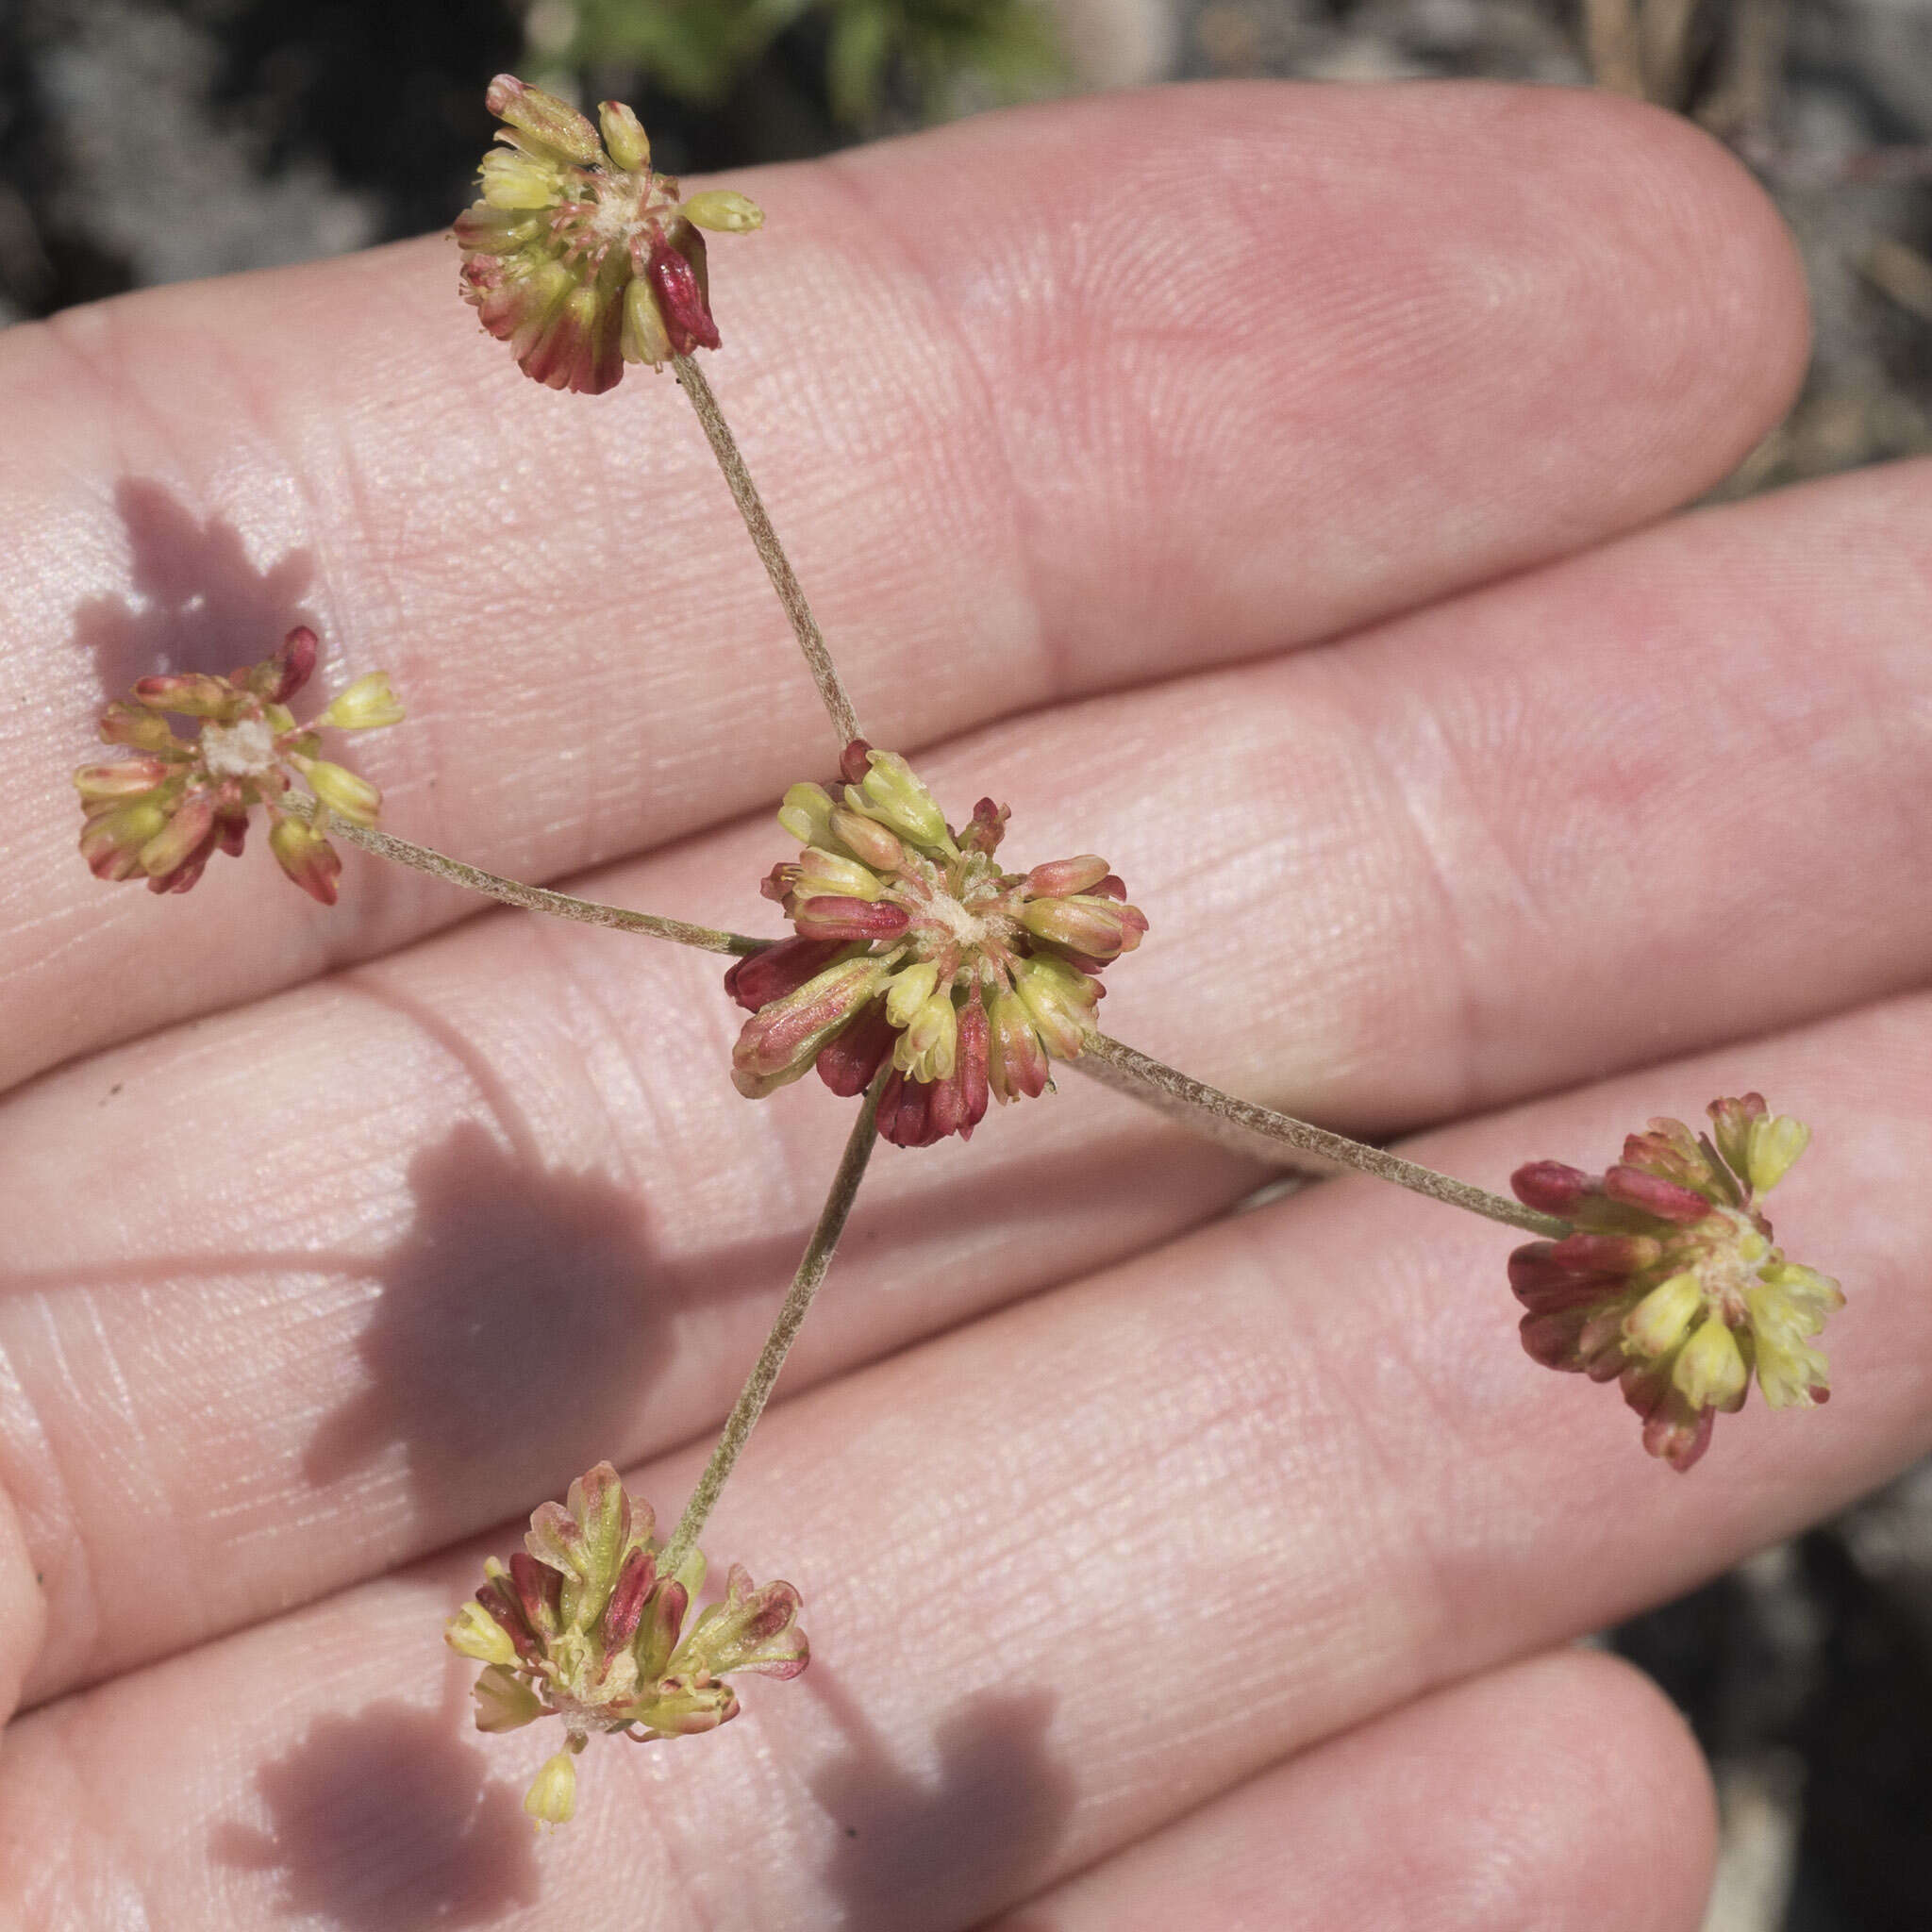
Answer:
(1111, 887)
(624, 136)
(759, 979)
(625, 1609)
(125, 724)
(1059, 877)
(780, 1042)
(178, 841)
(827, 873)
(971, 1067)
(111, 841)
(1551, 1188)
(676, 280)
(552, 124)
(1632, 1188)
(231, 830)
(848, 1064)
(121, 780)
(855, 761)
(188, 693)
(849, 919)
(1606, 1254)
(281, 676)
(539, 1592)
(901, 1115)
(987, 828)
(878, 847)
(1095, 929)
(307, 857)
(753, 1629)
(1017, 1063)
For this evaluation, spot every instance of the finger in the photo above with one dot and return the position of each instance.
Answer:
(1562, 1793)
(1195, 376)
(1099, 1557)
(494, 1237)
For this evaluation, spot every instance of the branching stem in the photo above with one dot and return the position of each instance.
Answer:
(1224, 1117)
(439, 865)
(745, 493)
(804, 1285)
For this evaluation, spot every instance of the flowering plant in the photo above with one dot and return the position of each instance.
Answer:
(1313, 1416)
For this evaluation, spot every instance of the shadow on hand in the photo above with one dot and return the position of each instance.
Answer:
(949, 1848)
(384, 1821)
(199, 603)
(516, 1329)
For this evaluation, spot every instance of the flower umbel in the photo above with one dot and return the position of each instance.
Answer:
(579, 1625)
(164, 813)
(1670, 1282)
(913, 945)
(579, 255)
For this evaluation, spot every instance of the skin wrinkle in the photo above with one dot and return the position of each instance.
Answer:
(1055, 674)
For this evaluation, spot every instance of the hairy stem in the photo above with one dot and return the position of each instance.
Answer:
(804, 1285)
(1261, 1130)
(745, 493)
(532, 898)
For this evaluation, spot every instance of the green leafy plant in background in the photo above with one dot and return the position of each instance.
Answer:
(874, 50)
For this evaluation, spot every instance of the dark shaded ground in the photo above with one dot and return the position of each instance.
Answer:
(148, 140)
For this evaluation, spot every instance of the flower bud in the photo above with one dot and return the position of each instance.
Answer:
(307, 857)
(780, 1040)
(191, 695)
(644, 337)
(825, 872)
(625, 136)
(1060, 877)
(849, 919)
(1661, 1320)
(807, 815)
(725, 210)
(761, 977)
(552, 1798)
(1710, 1373)
(891, 792)
(875, 847)
(365, 705)
(475, 1633)
(355, 798)
(676, 279)
(503, 1701)
(123, 779)
(1061, 1003)
(548, 121)
(179, 839)
(907, 991)
(1017, 1064)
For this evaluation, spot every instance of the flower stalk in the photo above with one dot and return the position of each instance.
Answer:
(1261, 1130)
(744, 493)
(455, 871)
(784, 1332)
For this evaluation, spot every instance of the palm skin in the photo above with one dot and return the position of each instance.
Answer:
(1160, 1567)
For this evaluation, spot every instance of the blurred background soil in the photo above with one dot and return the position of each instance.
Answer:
(150, 140)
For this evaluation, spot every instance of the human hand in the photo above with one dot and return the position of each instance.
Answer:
(1220, 1561)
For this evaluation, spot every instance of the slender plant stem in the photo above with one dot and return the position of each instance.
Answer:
(533, 898)
(1219, 1113)
(804, 1285)
(825, 674)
